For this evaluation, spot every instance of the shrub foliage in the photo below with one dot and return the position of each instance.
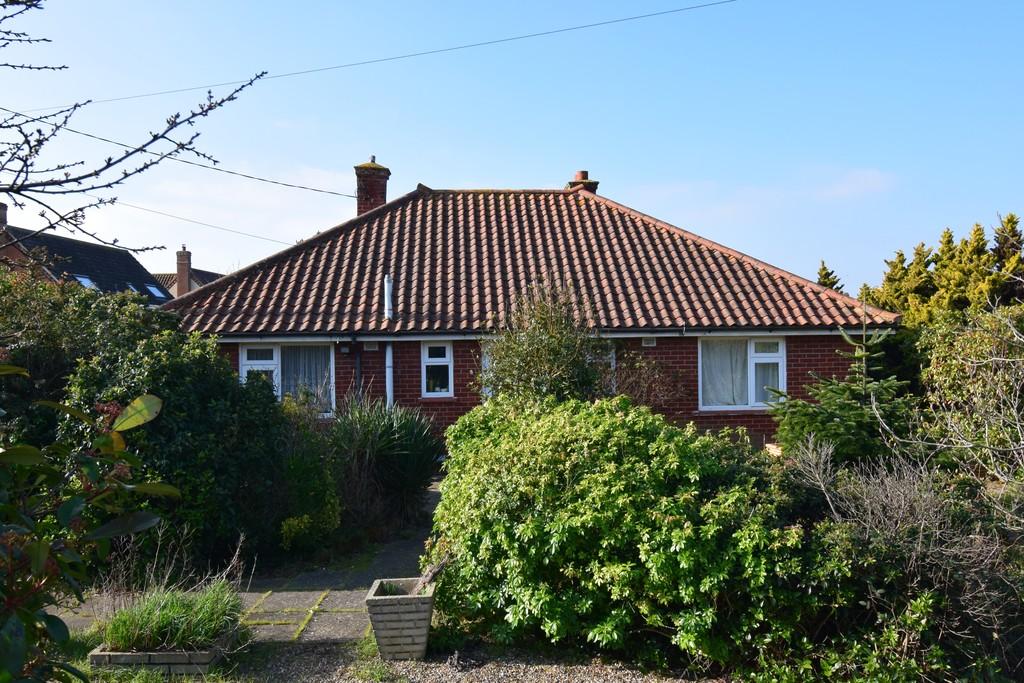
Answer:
(603, 522)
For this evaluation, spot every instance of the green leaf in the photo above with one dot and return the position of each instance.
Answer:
(67, 410)
(125, 525)
(56, 627)
(12, 644)
(22, 455)
(37, 553)
(70, 509)
(155, 489)
(138, 412)
(13, 370)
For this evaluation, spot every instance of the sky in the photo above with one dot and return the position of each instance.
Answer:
(792, 130)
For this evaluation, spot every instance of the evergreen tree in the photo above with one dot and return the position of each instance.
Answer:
(1006, 247)
(828, 278)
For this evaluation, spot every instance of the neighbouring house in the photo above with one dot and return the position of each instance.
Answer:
(93, 265)
(185, 278)
(398, 300)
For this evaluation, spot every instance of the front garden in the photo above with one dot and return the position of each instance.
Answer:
(575, 527)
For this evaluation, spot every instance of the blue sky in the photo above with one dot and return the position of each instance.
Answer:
(791, 130)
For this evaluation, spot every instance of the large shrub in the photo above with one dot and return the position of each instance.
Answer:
(60, 505)
(314, 510)
(219, 441)
(385, 459)
(603, 522)
(546, 347)
(46, 328)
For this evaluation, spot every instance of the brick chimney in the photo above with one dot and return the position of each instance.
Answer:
(371, 186)
(582, 180)
(183, 278)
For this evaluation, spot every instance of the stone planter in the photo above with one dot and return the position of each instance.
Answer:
(169, 662)
(401, 622)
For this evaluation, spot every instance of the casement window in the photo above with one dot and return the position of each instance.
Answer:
(437, 370)
(297, 370)
(738, 373)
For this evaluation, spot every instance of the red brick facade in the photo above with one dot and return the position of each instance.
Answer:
(805, 354)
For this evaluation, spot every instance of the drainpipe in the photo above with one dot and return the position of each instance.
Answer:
(389, 373)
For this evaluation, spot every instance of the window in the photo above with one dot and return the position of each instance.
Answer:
(297, 370)
(131, 287)
(438, 371)
(155, 291)
(737, 373)
(86, 281)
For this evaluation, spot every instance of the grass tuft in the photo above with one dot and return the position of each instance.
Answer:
(176, 620)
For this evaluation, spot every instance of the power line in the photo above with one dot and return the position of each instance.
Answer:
(209, 167)
(195, 222)
(410, 55)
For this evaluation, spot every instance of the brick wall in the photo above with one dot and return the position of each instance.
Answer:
(677, 355)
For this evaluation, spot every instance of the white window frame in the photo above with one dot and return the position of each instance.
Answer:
(425, 361)
(752, 358)
(245, 365)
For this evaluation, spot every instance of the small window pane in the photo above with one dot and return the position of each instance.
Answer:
(724, 372)
(306, 374)
(267, 375)
(440, 352)
(437, 379)
(155, 291)
(765, 375)
(85, 281)
(766, 347)
(259, 354)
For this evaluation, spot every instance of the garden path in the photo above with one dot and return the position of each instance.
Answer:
(320, 605)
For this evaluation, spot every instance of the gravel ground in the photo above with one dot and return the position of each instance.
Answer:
(515, 666)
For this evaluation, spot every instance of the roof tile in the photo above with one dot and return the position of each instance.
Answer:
(458, 257)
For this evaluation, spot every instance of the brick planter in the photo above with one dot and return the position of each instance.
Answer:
(170, 662)
(401, 622)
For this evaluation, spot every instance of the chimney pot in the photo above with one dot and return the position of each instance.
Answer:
(582, 181)
(371, 186)
(183, 275)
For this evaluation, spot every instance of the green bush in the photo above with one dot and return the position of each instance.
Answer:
(313, 506)
(605, 523)
(46, 328)
(176, 620)
(546, 347)
(386, 458)
(218, 441)
(842, 412)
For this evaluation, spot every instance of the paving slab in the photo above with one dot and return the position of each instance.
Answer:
(346, 600)
(335, 626)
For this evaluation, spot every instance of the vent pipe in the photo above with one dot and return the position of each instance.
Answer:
(389, 310)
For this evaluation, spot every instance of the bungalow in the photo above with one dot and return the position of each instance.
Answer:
(399, 298)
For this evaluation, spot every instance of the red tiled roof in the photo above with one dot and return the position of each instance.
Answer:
(457, 258)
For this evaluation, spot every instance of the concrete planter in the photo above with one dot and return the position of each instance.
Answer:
(401, 622)
(169, 662)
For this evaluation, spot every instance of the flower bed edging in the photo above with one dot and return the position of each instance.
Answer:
(401, 623)
(173, 662)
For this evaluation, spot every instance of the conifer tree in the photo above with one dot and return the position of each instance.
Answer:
(828, 278)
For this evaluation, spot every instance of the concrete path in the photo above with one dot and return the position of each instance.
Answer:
(323, 605)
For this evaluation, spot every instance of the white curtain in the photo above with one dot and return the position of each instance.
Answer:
(723, 369)
(765, 375)
(307, 368)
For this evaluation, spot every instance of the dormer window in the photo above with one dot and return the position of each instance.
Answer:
(86, 281)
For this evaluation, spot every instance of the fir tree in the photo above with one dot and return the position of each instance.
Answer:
(1006, 247)
(828, 278)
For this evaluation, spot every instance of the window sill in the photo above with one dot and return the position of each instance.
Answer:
(438, 399)
(753, 410)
